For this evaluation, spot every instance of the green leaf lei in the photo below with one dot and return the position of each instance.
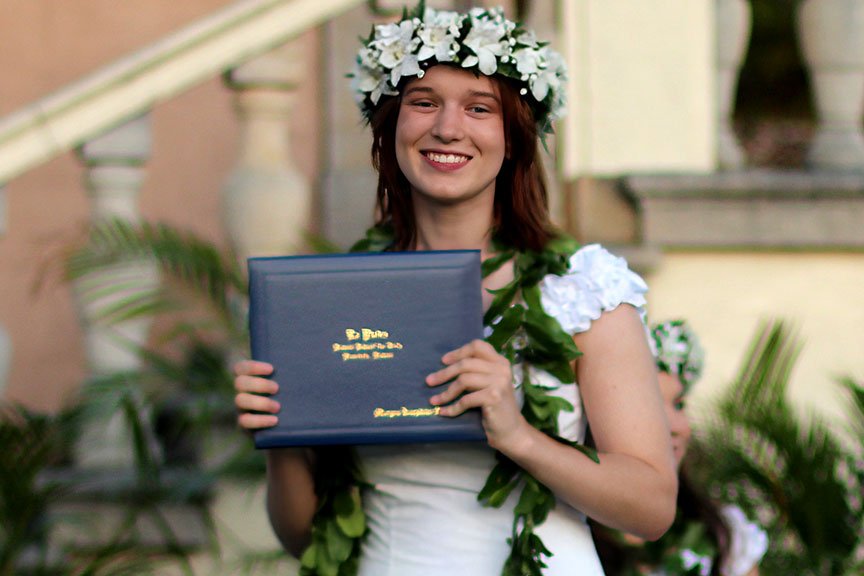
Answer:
(527, 336)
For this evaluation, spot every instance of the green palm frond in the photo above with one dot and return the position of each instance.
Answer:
(107, 270)
(29, 442)
(792, 470)
(855, 392)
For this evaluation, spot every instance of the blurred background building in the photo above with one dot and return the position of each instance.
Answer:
(716, 144)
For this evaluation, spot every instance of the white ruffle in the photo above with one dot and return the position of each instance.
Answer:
(598, 281)
(748, 543)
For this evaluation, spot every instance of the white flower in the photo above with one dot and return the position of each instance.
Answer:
(480, 39)
(439, 34)
(397, 45)
(484, 40)
(527, 38)
(527, 61)
(679, 351)
(690, 559)
(546, 78)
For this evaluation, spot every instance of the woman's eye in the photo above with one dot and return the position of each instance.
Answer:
(479, 109)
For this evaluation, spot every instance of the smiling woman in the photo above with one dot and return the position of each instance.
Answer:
(450, 141)
(457, 103)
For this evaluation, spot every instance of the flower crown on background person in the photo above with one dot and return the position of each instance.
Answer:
(678, 351)
(481, 40)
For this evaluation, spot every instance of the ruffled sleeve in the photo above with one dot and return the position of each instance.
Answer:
(748, 543)
(597, 281)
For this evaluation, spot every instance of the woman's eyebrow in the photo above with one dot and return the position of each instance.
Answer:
(483, 94)
(471, 94)
(423, 89)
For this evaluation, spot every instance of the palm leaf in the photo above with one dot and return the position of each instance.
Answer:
(30, 443)
(855, 393)
(104, 266)
(758, 450)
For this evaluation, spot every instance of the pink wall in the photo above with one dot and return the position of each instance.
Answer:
(45, 44)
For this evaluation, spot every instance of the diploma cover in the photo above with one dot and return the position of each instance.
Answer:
(352, 338)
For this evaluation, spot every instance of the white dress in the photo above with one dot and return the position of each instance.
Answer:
(423, 514)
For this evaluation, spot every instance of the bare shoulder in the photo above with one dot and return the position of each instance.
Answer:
(615, 332)
(617, 379)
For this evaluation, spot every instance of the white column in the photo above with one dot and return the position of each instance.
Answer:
(2, 210)
(645, 103)
(733, 25)
(543, 18)
(5, 359)
(266, 202)
(5, 341)
(832, 42)
(114, 174)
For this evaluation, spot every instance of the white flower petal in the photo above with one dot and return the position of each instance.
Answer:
(470, 61)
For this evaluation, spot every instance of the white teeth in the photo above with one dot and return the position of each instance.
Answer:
(446, 158)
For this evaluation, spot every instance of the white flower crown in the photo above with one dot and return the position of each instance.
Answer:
(481, 40)
(678, 351)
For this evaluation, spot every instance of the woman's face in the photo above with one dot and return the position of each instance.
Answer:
(450, 136)
(679, 423)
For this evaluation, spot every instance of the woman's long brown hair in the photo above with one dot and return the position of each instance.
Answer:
(521, 217)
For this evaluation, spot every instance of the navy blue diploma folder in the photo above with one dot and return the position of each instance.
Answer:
(352, 338)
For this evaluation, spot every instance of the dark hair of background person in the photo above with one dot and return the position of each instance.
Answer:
(693, 506)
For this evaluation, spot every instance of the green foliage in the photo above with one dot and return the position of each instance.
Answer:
(193, 270)
(29, 443)
(795, 474)
(340, 523)
(33, 443)
(528, 333)
(183, 391)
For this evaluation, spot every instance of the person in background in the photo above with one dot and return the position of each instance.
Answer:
(706, 539)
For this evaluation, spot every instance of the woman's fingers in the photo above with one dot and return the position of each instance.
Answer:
(255, 385)
(256, 403)
(478, 377)
(464, 366)
(486, 397)
(465, 382)
(256, 409)
(476, 356)
(249, 421)
(474, 349)
(252, 368)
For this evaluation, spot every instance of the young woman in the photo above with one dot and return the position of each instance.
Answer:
(705, 539)
(457, 104)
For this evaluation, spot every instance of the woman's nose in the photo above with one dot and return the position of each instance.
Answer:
(680, 425)
(448, 124)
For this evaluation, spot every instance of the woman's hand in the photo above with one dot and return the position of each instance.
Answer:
(256, 411)
(481, 378)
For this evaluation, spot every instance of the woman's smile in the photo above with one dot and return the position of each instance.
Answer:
(446, 160)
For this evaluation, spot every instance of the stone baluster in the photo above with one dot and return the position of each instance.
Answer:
(2, 210)
(114, 164)
(266, 202)
(832, 42)
(5, 341)
(5, 359)
(734, 22)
